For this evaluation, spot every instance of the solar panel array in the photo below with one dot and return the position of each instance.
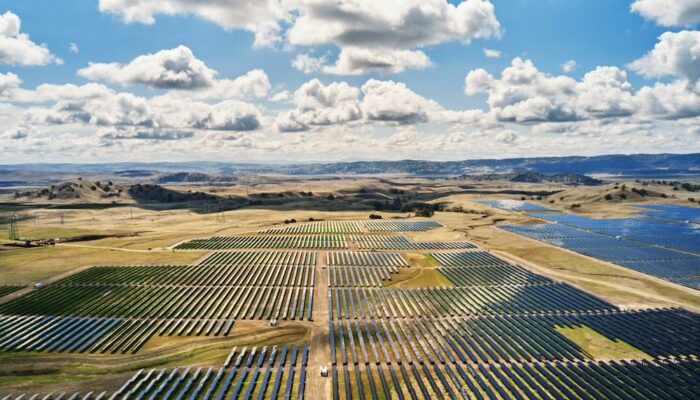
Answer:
(376, 225)
(384, 242)
(498, 335)
(266, 242)
(257, 373)
(672, 211)
(119, 308)
(393, 225)
(514, 205)
(318, 227)
(5, 290)
(682, 268)
(667, 233)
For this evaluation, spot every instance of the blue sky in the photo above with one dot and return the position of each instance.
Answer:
(417, 99)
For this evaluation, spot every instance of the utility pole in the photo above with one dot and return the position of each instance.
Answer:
(13, 233)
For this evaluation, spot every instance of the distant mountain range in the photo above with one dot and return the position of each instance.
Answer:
(637, 164)
(534, 177)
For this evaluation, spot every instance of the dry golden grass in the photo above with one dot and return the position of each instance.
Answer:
(38, 264)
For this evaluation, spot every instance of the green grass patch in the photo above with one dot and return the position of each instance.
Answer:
(600, 347)
(418, 277)
(420, 260)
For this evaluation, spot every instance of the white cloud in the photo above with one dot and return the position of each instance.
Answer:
(399, 24)
(478, 81)
(261, 17)
(282, 95)
(320, 105)
(476, 137)
(524, 94)
(669, 13)
(393, 102)
(676, 54)
(16, 133)
(675, 100)
(357, 61)
(92, 106)
(370, 35)
(177, 68)
(73, 47)
(9, 83)
(308, 64)
(383, 35)
(491, 53)
(569, 66)
(254, 83)
(145, 134)
(16, 48)
(605, 92)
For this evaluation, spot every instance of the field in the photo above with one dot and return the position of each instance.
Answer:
(177, 304)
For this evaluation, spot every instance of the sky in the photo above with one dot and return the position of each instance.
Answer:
(314, 80)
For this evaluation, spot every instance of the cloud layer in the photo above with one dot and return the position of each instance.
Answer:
(169, 103)
(16, 48)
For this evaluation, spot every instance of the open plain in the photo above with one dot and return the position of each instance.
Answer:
(134, 300)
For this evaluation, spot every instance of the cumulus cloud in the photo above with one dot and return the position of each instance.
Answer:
(94, 106)
(179, 70)
(491, 53)
(319, 105)
(16, 48)
(370, 35)
(391, 24)
(676, 54)
(378, 102)
(569, 66)
(262, 18)
(383, 35)
(308, 64)
(470, 138)
(15, 133)
(9, 83)
(669, 13)
(394, 102)
(73, 47)
(357, 61)
(176, 68)
(526, 95)
(282, 95)
(146, 134)
(254, 83)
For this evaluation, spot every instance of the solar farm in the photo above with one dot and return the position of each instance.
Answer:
(384, 316)
(658, 243)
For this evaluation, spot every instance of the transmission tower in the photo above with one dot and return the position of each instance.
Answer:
(13, 233)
